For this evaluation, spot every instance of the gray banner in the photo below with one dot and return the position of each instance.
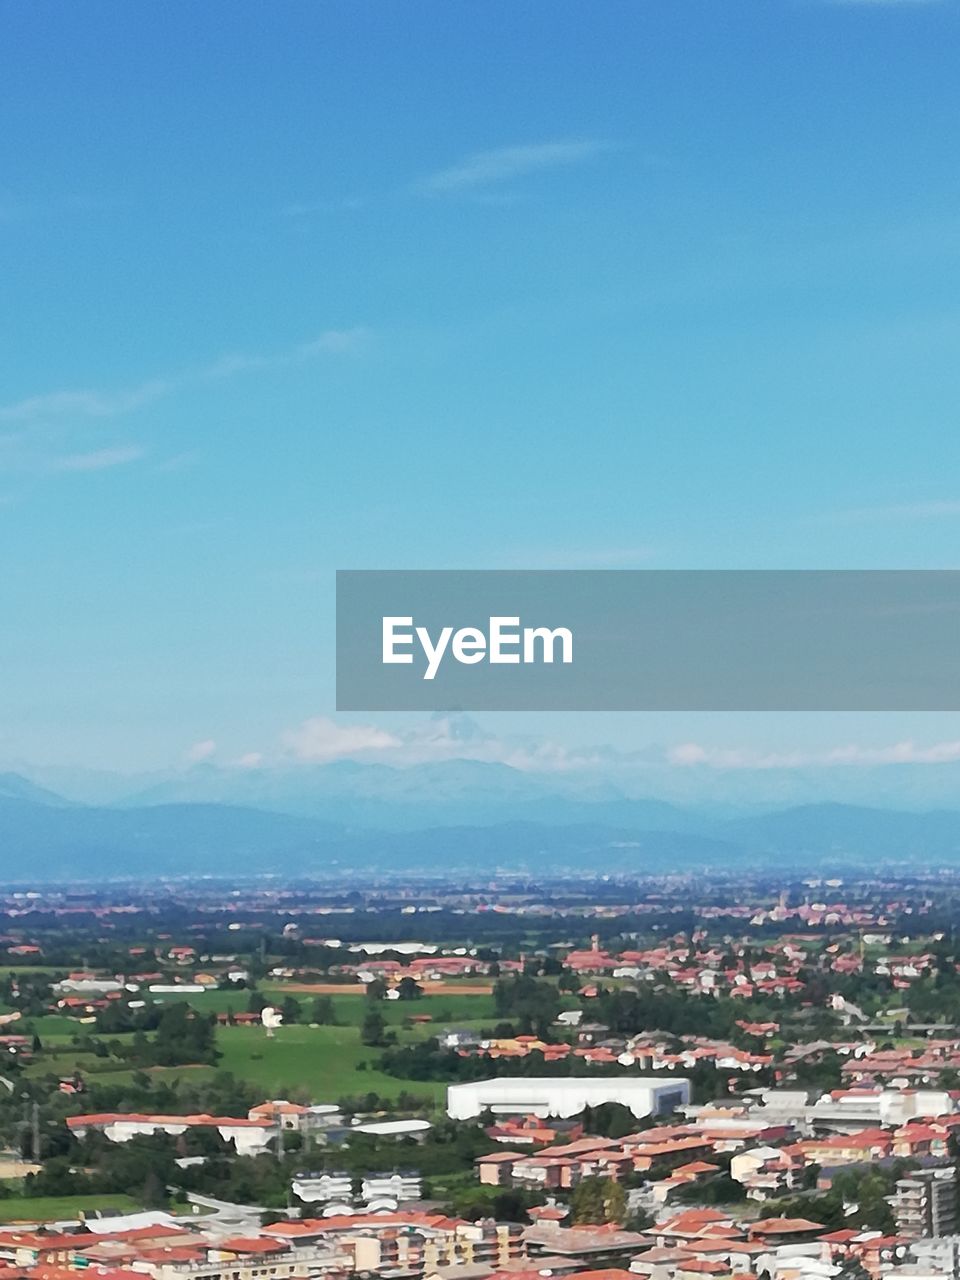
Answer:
(648, 640)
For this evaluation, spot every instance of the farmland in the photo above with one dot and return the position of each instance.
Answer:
(302, 1060)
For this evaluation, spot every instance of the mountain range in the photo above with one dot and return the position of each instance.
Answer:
(459, 815)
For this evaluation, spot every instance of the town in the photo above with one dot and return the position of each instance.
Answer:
(631, 1076)
(479, 752)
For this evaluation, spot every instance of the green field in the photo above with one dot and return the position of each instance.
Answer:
(10, 970)
(53, 1208)
(446, 1010)
(450, 1007)
(320, 1064)
(57, 1024)
(315, 1064)
(212, 1001)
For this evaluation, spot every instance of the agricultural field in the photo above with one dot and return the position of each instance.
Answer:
(52, 1208)
(308, 1062)
(449, 1007)
(319, 1063)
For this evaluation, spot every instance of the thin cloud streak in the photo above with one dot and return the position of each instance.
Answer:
(339, 342)
(932, 509)
(693, 754)
(84, 404)
(487, 168)
(93, 403)
(98, 459)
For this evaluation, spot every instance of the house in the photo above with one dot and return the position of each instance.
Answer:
(766, 1171)
(774, 1231)
(293, 1116)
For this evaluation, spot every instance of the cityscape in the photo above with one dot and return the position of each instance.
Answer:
(665, 1076)
(479, 733)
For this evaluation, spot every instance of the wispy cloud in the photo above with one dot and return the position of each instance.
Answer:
(320, 740)
(337, 342)
(98, 459)
(84, 404)
(930, 509)
(178, 462)
(692, 754)
(501, 164)
(90, 403)
(249, 760)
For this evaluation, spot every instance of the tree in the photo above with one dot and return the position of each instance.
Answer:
(291, 1010)
(598, 1200)
(323, 1012)
(377, 989)
(154, 1193)
(610, 1120)
(373, 1028)
(614, 1202)
(182, 1035)
(534, 1004)
(409, 989)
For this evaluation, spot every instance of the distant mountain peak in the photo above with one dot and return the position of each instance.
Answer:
(13, 786)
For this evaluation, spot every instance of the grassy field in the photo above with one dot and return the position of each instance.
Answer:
(212, 1001)
(59, 1026)
(319, 1063)
(446, 1010)
(169, 1075)
(448, 1006)
(54, 1208)
(60, 1054)
(6, 970)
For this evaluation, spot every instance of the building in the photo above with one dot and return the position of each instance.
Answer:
(292, 1116)
(250, 1137)
(600, 1246)
(314, 1188)
(85, 985)
(409, 1244)
(400, 1185)
(925, 1203)
(565, 1096)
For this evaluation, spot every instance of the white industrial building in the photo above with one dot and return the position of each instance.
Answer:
(565, 1096)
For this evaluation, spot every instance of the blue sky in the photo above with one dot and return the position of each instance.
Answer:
(288, 288)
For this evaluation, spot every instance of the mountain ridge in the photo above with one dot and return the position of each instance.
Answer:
(44, 837)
